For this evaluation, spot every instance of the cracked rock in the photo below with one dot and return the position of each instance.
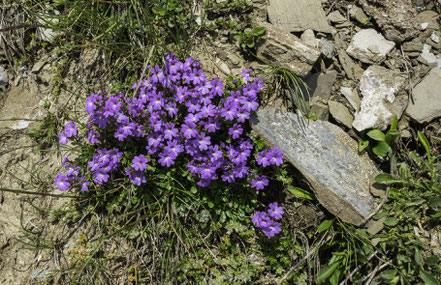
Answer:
(384, 97)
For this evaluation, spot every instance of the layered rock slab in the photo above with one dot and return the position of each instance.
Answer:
(298, 15)
(288, 51)
(327, 157)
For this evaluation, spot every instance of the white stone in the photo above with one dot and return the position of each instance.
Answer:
(424, 26)
(369, 46)
(383, 98)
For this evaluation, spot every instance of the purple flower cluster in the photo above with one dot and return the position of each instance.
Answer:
(265, 220)
(102, 164)
(64, 181)
(70, 130)
(177, 116)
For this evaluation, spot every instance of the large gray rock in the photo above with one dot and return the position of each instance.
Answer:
(426, 104)
(369, 46)
(397, 18)
(384, 97)
(327, 157)
(288, 51)
(298, 15)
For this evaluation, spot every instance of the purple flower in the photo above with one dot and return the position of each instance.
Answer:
(259, 182)
(189, 130)
(72, 172)
(262, 220)
(263, 158)
(207, 171)
(137, 178)
(228, 113)
(228, 176)
(275, 156)
(139, 162)
(166, 159)
(192, 168)
(90, 104)
(92, 136)
(203, 141)
(207, 111)
(272, 229)
(62, 138)
(119, 135)
(242, 115)
(170, 131)
(212, 125)
(246, 74)
(173, 148)
(275, 211)
(100, 177)
(197, 76)
(85, 186)
(61, 182)
(235, 131)
(217, 85)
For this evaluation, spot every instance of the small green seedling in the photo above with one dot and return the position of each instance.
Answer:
(250, 37)
(384, 142)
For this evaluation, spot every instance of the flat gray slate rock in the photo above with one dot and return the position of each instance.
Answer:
(328, 159)
(298, 15)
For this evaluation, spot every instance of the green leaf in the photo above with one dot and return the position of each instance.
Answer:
(194, 190)
(259, 31)
(362, 145)
(335, 277)
(391, 221)
(428, 278)
(432, 260)
(394, 124)
(435, 202)
(418, 257)
(382, 149)
(380, 215)
(327, 271)
(325, 225)
(388, 274)
(391, 136)
(250, 44)
(424, 142)
(386, 178)
(301, 193)
(377, 135)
